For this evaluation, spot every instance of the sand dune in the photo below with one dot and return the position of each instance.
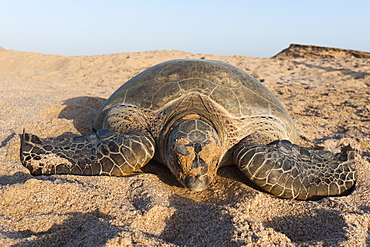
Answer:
(328, 97)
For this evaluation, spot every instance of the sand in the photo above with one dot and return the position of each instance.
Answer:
(53, 95)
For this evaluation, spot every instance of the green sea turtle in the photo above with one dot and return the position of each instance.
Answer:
(195, 116)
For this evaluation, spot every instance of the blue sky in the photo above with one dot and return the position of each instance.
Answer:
(234, 27)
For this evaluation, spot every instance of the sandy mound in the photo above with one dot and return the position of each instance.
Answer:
(53, 95)
(319, 52)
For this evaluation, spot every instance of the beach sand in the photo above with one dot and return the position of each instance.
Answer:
(59, 96)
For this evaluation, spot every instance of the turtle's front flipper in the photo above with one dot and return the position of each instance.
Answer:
(289, 171)
(102, 153)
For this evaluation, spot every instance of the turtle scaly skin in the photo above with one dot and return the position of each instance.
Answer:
(195, 116)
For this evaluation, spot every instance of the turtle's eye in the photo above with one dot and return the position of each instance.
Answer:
(181, 149)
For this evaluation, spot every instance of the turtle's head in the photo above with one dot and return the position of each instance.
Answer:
(193, 153)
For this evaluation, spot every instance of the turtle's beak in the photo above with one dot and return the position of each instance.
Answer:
(197, 183)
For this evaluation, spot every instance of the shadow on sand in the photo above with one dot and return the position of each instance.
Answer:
(198, 224)
(79, 229)
(321, 225)
(82, 110)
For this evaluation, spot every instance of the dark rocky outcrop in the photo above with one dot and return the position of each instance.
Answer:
(319, 52)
